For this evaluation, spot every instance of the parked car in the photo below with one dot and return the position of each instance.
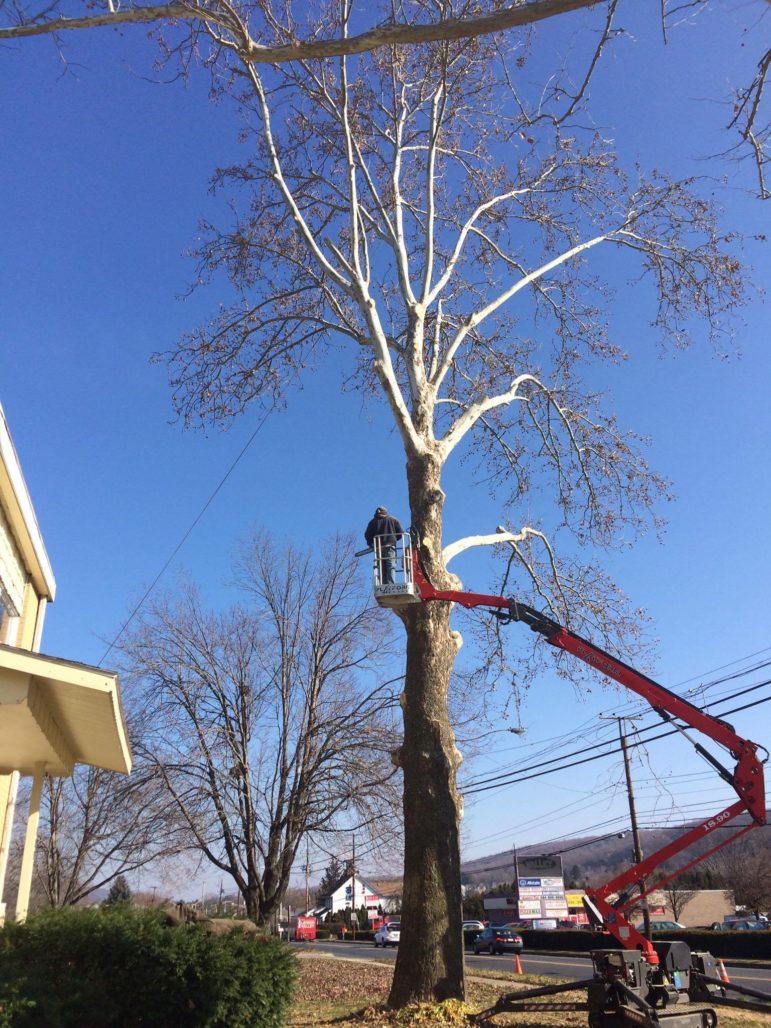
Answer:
(498, 940)
(748, 924)
(541, 924)
(473, 926)
(662, 926)
(388, 935)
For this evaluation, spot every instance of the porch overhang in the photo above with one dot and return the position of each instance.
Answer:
(59, 713)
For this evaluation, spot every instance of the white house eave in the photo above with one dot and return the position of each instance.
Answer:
(65, 714)
(21, 514)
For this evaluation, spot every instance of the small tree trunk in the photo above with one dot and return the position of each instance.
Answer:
(429, 966)
(252, 903)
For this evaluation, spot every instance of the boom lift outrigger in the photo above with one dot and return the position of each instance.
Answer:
(636, 986)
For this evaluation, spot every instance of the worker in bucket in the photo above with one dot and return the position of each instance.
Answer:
(389, 529)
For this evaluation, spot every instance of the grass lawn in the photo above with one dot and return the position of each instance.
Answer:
(345, 993)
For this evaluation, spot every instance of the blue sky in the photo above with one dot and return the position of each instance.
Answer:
(102, 183)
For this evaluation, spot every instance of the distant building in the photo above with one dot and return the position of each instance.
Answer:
(701, 907)
(353, 894)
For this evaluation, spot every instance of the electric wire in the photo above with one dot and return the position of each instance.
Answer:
(368, 850)
(607, 742)
(681, 808)
(182, 541)
(613, 738)
(512, 777)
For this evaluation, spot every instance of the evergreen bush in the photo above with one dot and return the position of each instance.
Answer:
(121, 966)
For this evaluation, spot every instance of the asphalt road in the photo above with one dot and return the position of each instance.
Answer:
(532, 963)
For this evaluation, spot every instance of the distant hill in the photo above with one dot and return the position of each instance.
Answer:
(593, 858)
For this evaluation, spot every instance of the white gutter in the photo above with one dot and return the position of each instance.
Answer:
(22, 516)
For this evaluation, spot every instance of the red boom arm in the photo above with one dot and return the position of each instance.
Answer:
(746, 778)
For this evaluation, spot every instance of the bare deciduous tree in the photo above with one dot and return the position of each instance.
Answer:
(743, 867)
(95, 826)
(418, 204)
(268, 723)
(678, 897)
(99, 825)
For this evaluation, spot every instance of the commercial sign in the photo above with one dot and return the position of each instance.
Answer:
(540, 887)
(500, 902)
(537, 867)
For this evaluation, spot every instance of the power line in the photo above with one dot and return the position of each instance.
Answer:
(473, 787)
(608, 742)
(512, 777)
(183, 540)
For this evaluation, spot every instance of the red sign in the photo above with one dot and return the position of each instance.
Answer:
(305, 929)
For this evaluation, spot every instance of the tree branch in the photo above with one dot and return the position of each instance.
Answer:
(501, 535)
(521, 12)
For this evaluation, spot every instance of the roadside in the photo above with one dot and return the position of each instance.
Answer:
(355, 995)
(734, 962)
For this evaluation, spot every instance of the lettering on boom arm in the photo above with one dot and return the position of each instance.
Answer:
(598, 660)
(718, 819)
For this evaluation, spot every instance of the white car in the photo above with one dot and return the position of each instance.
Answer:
(388, 935)
(473, 926)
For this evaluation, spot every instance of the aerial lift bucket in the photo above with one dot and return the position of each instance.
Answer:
(393, 571)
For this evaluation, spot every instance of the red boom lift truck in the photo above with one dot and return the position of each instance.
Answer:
(637, 981)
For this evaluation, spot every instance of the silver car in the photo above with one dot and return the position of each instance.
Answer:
(388, 935)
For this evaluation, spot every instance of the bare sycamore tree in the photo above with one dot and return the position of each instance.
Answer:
(271, 722)
(270, 33)
(439, 214)
(423, 207)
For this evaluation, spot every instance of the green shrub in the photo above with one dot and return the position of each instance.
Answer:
(125, 967)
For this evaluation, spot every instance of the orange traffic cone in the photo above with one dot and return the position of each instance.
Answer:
(517, 964)
(722, 972)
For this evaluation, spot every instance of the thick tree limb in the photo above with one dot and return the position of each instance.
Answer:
(522, 12)
(500, 535)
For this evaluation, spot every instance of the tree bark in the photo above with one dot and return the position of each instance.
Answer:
(429, 966)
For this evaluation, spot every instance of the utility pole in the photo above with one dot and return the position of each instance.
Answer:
(638, 852)
(516, 877)
(307, 877)
(354, 915)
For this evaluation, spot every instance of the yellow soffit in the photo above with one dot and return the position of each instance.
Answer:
(59, 713)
